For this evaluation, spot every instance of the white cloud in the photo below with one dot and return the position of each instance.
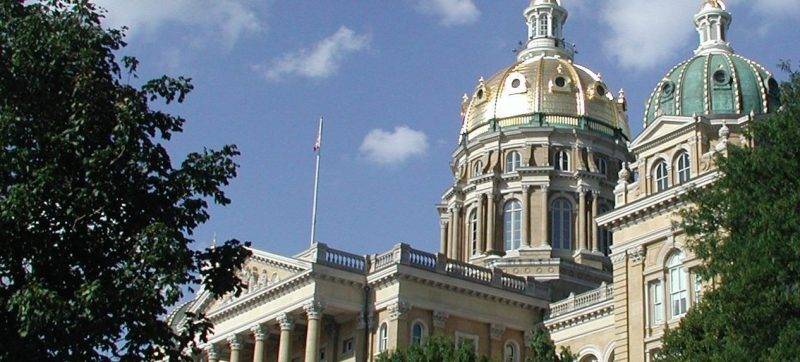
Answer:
(451, 12)
(386, 148)
(223, 21)
(320, 61)
(643, 34)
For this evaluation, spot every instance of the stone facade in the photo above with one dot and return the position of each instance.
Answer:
(553, 220)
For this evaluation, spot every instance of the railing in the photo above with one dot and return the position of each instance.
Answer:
(513, 282)
(337, 258)
(468, 271)
(576, 302)
(421, 259)
(548, 120)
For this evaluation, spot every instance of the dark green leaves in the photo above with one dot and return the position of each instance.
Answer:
(95, 219)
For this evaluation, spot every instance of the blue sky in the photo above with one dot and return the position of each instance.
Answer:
(388, 75)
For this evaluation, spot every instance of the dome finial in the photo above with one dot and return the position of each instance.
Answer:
(712, 23)
(545, 19)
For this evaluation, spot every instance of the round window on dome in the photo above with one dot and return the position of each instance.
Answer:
(516, 83)
(721, 77)
(561, 81)
(774, 87)
(480, 94)
(667, 88)
(601, 91)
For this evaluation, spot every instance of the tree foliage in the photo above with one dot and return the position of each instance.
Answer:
(435, 349)
(542, 349)
(746, 229)
(95, 219)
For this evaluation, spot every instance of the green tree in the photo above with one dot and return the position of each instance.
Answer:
(95, 220)
(542, 349)
(746, 229)
(435, 349)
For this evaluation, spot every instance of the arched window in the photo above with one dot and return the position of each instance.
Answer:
(512, 222)
(678, 279)
(417, 333)
(511, 352)
(383, 338)
(513, 161)
(544, 23)
(684, 172)
(561, 224)
(478, 169)
(660, 176)
(602, 166)
(562, 161)
(473, 231)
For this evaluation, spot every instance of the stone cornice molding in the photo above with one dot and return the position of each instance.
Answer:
(580, 317)
(273, 292)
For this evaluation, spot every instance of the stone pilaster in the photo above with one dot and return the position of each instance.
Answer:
(398, 326)
(491, 221)
(440, 321)
(544, 222)
(526, 216)
(443, 237)
(593, 222)
(481, 226)
(212, 354)
(360, 338)
(582, 219)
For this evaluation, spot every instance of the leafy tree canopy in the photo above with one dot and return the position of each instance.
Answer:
(435, 349)
(542, 349)
(95, 219)
(746, 229)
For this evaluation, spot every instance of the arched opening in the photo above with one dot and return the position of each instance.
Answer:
(561, 224)
(660, 177)
(512, 225)
(683, 167)
(513, 161)
(678, 280)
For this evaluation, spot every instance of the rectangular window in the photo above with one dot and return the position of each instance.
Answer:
(471, 340)
(656, 302)
(347, 346)
(678, 293)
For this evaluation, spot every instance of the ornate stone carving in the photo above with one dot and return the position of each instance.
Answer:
(212, 352)
(636, 254)
(398, 309)
(235, 342)
(496, 331)
(259, 332)
(440, 318)
(314, 309)
(286, 322)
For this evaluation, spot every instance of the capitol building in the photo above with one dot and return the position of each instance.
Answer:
(557, 217)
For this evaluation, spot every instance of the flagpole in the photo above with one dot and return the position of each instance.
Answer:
(318, 149)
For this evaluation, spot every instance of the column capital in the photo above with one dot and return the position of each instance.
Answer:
(399, 309)
(235, 342)
(260, 332)
(440, 318)
(637, 254)
(314, 309)
(361, 321)
(496, 331)
(212, 352)
(286, 322)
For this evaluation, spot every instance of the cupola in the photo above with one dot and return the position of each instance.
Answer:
(712, 23)
(546, 20)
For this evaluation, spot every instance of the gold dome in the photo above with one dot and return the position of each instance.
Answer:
(544, 91)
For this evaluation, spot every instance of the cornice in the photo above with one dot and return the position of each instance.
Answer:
(580, 316)
(288, 285)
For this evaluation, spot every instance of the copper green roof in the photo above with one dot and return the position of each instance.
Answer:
(713, 84)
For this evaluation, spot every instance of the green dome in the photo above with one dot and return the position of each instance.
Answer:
(714, 84)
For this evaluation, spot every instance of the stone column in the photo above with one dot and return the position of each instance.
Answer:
(451, 232)
(582, 219)
(360, 339)
(212, 353)
(314, 313)
(236, 348)
(526, 217)
(260, 350)
(443, 237)
(544, 222)
(481, 237)
(285, 348)
(491, 219)
(593, 222)
(457, 231)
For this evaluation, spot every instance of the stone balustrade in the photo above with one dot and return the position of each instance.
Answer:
(580, 301)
